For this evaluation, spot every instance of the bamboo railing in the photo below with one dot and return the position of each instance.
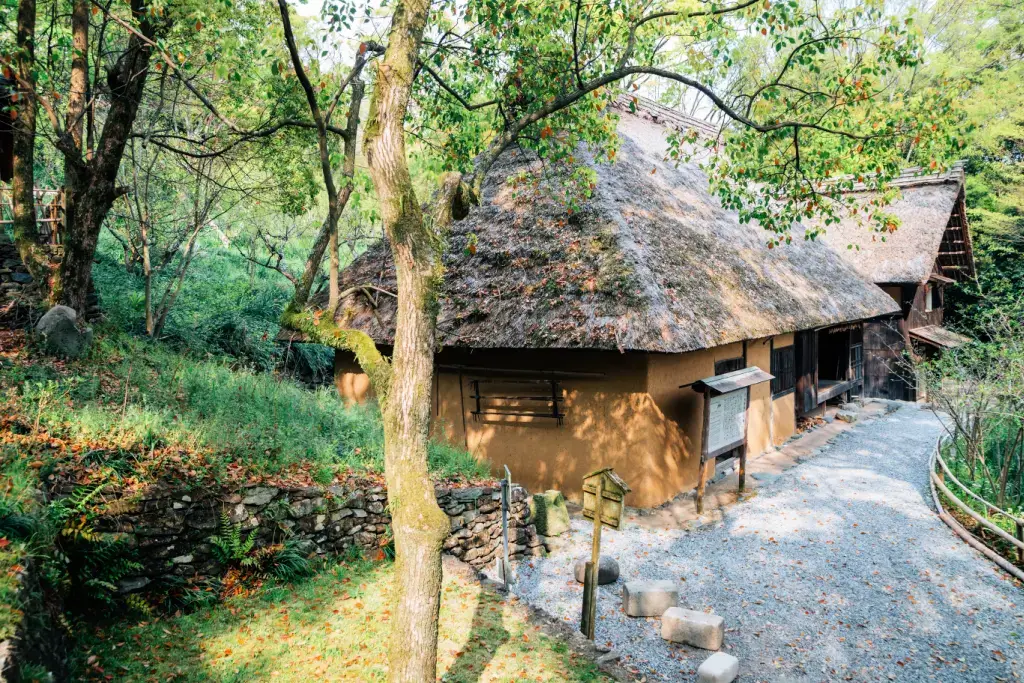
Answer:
(939, 480)
(49, 213)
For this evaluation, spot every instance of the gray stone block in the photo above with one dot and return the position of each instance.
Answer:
(649, 598)
(846, 416)
(694, 628)
(259, 495)
(718, 668)
(607, 570)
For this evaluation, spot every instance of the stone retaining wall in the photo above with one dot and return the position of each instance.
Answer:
(170, 527)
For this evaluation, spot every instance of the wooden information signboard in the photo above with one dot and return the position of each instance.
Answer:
(727, 421)
(604, 494)
(726, 399)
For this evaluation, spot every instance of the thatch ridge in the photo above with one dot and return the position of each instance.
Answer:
(651, 263)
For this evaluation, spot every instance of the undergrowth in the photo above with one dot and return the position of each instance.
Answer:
(137, 409)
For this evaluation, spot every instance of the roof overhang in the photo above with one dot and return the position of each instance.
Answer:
(939, 337)
(731, 381)
(935, 277)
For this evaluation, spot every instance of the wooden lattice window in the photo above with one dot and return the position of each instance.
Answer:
(784, 369)
(857, 361)
(729, 365)
(512, 398)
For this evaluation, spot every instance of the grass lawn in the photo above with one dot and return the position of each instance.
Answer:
(333, 627)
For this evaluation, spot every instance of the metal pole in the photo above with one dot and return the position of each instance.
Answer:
(506, 496)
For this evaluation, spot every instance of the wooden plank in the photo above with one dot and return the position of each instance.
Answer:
(702, 472)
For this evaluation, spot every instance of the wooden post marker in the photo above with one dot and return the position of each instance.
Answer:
(604, 493)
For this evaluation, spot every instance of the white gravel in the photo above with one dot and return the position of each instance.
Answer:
(837, 570)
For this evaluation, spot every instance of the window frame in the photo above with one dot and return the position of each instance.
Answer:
(726, 365)
(780, 373)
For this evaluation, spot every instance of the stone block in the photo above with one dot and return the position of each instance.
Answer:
(607, 570)
(61, 334)
(259, 495)
(846, 416)
(649, 598)
(718, 668)
(690, 627)
(549, 513)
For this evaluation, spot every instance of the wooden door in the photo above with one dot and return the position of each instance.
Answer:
(806, 371)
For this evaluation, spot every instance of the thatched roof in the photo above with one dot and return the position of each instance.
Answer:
(907, 255)
(651, 262)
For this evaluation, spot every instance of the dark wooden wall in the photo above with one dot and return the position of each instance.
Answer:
(884, 372)
(806, 343)
(915, 306)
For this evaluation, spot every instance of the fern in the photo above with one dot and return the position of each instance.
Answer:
(228, 546)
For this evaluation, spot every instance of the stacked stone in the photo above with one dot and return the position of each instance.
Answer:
(475, 515)
(13, 275)
(15, 279)
(170, 529)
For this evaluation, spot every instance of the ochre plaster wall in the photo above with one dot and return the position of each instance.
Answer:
(759, 413)
(632, 414)
(353, 385)
(784, 407)
(610, 421)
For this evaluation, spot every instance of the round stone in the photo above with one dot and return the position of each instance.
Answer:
(607, 570)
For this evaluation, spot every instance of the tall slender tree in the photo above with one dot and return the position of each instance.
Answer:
(26, 229)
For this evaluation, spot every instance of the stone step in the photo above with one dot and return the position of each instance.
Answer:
(649, 598)
(690, 627)
(718, 668)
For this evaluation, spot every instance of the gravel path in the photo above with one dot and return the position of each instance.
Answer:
(837, 570)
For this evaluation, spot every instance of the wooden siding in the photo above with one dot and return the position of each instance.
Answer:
(884, 377)
(956, 253)
(916, 309)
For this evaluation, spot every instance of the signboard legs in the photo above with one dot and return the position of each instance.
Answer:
(589, 615)
(702, 472)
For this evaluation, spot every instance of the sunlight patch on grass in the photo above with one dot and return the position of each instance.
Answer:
(333, 627)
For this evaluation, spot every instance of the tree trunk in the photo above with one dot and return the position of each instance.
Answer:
(75, 115)
(26, 230)
(91, 188)
(419, 525)
(147, 271)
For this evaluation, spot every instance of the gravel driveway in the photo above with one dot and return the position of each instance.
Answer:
(837, 570)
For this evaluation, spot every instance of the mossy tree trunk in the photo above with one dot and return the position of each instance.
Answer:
(26, 229)
(419, 525)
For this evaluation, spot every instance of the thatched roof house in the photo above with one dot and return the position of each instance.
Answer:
(929, 250)
(650, 263)
(570, 341)
(930, 210)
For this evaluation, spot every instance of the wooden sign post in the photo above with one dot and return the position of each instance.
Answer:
(726, 399)
(604, 493)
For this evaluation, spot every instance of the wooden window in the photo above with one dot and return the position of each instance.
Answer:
(506, 399)
(936, 297)
(857, 361)
(729, 365)
(784, 369)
